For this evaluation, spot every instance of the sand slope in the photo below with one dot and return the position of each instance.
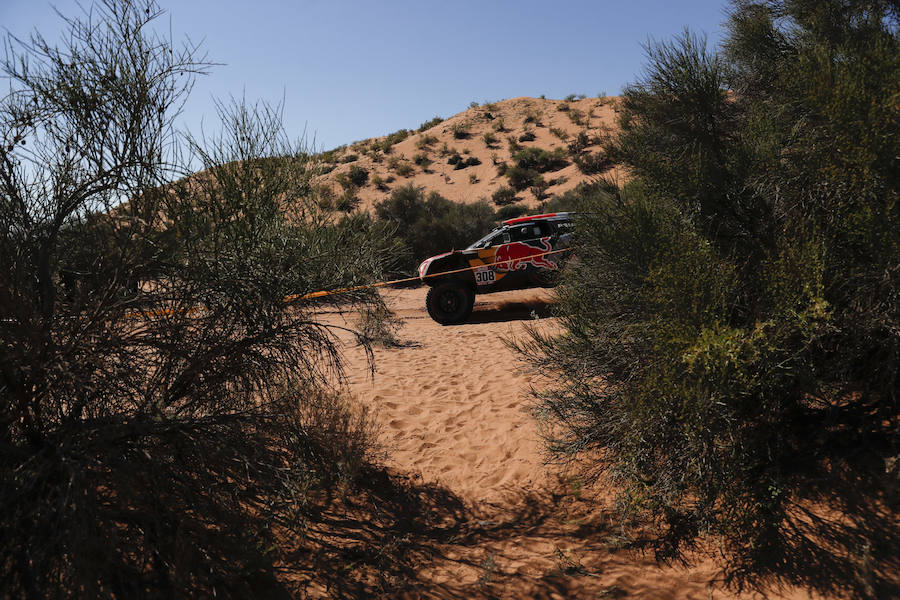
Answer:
(454, 410)
(548, 120)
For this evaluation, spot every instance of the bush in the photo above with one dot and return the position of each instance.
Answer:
(432, 225)
(400, 166)
(577, 117)
(349, 158)
(461, 163)
(388, 142)
(521, 178)
(541, 160)
(379, 326)
(404, 169)
(422, 160)
(425, 141)
(581, 141)
(534, 115)
(343, 180)
(348, 201)
(503, 196)
(539, 188)
(460, 130)
(358, 175)
(332, 156)
(527, 136)
(592, 163)
(511, 211)
(379, 183)
(490, 140)
(160, 439)
(731, 323)
(429, 124)
(560, 133)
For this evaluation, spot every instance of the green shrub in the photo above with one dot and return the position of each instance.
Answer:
(379, 183)
(343, 180)
(581, 141)
(404, 169)
(348, 201)
(521, 178)
(165, 424)
(388, 142)
(511, 211)
(534, 115)
(430, 123)
(459, 162)
(332, 156)
(425, 141)
(432, 225)
(503, 196)
(379, 326)
(527, 136)
(539, 188)
(592, 163)
(541, 160)
(460, 130)
(490, 140)
(560, 133)
(577, 199)
(577, 117)
(422, 160)
(358, 175)
(730, 354)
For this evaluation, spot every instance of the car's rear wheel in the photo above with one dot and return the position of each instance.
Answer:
(450, 302)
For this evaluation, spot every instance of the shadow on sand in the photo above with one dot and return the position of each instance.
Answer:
(394, 537)
(496, 312)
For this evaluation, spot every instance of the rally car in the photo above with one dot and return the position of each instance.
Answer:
(521, 253)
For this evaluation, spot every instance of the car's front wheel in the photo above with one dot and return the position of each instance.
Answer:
(450, 302)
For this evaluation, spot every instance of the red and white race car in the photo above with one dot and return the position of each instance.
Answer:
(523, 252)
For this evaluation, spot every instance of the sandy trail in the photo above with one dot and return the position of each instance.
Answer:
(454, 407)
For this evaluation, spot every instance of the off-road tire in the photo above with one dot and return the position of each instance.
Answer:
(450, 302)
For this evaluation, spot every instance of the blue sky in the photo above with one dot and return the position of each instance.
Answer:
(354, 69)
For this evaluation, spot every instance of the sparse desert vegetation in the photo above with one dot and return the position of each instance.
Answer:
(203, 394)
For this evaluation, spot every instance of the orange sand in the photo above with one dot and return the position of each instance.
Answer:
(454, 406)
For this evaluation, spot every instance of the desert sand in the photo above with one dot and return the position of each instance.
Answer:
(455, 414)
(555, 124)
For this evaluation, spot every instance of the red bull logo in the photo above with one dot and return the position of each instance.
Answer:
(520, 255)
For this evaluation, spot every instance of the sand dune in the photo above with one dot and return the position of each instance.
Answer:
(454, 410)
(553, 123)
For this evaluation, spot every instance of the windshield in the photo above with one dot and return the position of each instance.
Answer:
(486, 241)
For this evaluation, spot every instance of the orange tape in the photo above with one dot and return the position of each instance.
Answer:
(324, 293)
(321, 294)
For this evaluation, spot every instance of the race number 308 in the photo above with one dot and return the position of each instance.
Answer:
(484, 277)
